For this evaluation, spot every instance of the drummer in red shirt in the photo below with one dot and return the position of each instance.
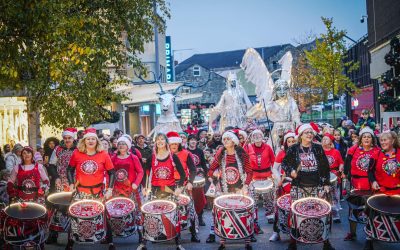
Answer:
(262, 170)
(90, 164)
(231, 158)
(162, 181)
(128, 175)
(186, 159)
(336, 165)
(384, 171)
(356, 169)
(281, 180)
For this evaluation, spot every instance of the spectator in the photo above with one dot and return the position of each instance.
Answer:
(79, 135)
(4, 198)
(365, 121)
(215, 141)
(202, 137)
(14, 158)
(353, 138)
(2, 162)
(40, 149)
(118, 133)
(396, 128)
(6, 149)
(49, 146)
(343, 127)
(113, 141)
(377, 130)
(146, 152)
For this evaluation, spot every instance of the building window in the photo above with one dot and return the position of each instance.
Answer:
(185, 90)
(196, 71)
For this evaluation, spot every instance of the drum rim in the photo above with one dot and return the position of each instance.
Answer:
(121, 198)
(82, 201)
(334, 179)
(384, 212)
(307, 198)
(277, 203)
(168, 201)
(201, 179)
(266, 188)
(54, 194)
(227, 195)
(28, 204)
(186, 196)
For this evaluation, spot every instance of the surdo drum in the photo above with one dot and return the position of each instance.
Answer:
(333, 179)
(121, 211)
(25, 225)
(183, 207)
(87, 221)
(383, 212)
(310, 220)
(263, 186)
(283, 203)
(58, 205)
(233, 216)
(160, 220)
(199, 181)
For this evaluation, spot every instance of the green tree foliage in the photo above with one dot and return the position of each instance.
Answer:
(328, 60)
(57, 52)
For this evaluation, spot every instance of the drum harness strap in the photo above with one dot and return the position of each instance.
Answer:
(29, 189)
(91, 187)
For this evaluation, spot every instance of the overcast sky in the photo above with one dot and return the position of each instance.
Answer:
(221, 25)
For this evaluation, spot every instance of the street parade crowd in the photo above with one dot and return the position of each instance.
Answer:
(95, 187)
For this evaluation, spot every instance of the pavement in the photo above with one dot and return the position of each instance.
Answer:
(338, 232)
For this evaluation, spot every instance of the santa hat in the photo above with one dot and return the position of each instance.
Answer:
(37, 157)
(231, 134)
(174, 137)
(89, 132)
(257, 131)
(315, 127)
(125, 140)
(127, 137)
(331, 137)
(300, 129)
(69, 132)
(243, 133)
(366, 130)
(288, 135)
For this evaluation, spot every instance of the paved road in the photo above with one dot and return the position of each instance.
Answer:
(336, 237)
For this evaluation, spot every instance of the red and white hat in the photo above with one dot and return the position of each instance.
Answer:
(174, 137)
(125, 140)
(288, 135)
(231, 134)
(300, 129)
(69, 132)
(89, 132)
(243, 133)
(366, 130)
(315, 127)
(331, 137)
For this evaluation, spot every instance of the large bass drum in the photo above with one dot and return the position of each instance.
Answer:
(310, 220)
(87, 221)
(283, 203)
(160, 220)
(58, 205)
(184, 203)
(121, 212)
(233, 216)
(383, 213)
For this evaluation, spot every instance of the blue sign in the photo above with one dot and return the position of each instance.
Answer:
(170, 60)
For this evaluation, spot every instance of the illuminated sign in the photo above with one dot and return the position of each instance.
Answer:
(170, 60)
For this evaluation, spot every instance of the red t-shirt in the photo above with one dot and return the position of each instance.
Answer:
(90, 169)
(359, 167)
(279, 157)
(128, 169)
(387, 171)
(334, 158)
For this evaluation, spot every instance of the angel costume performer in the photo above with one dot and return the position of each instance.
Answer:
(232, 106)
(272, 97)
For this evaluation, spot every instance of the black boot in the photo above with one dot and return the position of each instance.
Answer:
(211, 238)
(221, 247)
(292, 246)
(52, 239)
(70, 245)
(328, 246)
(201, 221)
(369, 245)
(111, 247)
(252, 238)
(140, 236)
(195, 238)
(248, 247)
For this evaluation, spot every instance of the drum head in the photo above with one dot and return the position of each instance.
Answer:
(284, 202)
(388, 204)
(158, 207)
(199, 179)
(29, 211)
(120, 206)
(183, 200)
(86, 209)
(333, 178)
(233, 202)
(311, 207)
(263, 185)
(63, 198)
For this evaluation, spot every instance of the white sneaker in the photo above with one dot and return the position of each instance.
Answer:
(180, 247)
(275, 237)
(141, 246)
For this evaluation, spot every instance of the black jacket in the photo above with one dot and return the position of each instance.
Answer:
(292, 161)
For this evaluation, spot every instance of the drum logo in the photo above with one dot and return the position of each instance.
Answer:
(117, 226)
(122, 175)
(331, 160)
(28, 185)
(311, 229)
(89, 167)
(153, 227)
(86, 229)
(363, 162)
(232, 175)
(162, 172)
(390, 167)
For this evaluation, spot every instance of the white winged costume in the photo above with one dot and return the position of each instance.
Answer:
(273, 97)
